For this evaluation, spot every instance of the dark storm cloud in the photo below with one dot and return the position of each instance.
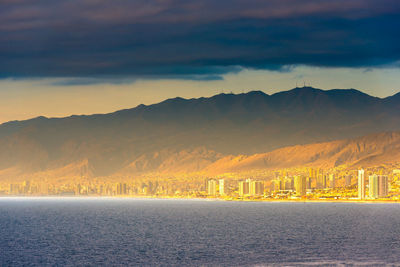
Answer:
(191, 38)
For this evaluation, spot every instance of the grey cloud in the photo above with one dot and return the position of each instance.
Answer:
(192, 39)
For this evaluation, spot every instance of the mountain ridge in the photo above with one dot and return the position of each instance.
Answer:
(259, 92)
(228, 124)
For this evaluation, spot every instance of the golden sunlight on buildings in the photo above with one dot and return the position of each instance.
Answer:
(303, 183)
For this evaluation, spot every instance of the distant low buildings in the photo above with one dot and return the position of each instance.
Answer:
(289, 184)
(276, 185)
(347, 181)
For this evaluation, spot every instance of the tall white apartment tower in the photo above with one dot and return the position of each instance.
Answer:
(222, 190)
(361, 184)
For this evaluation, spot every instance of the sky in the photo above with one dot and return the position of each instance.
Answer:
(65, 57)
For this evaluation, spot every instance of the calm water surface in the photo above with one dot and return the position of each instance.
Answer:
(120, 232)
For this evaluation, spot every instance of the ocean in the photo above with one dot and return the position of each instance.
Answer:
(154, 232)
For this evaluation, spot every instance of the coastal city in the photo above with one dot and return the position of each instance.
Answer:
(305, 184)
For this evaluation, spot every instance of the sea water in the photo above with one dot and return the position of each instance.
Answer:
(153, 232)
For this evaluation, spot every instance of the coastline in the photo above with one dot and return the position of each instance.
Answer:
(365, 201)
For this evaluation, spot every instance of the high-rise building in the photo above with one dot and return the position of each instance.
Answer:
(119, 189)
(321, 181)
(206, 184)
(383, 186)
(256, 188)
(361, 184)
(249, 182)
(212, 187)
(243, 188)
(332, 182)
(222, 189)
(373, 186)
(300, 185)
(378, 186)
(309, 182)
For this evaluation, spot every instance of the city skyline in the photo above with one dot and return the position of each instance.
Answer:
(290, 185)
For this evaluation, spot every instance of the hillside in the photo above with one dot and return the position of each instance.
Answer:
(371, 150)
(193, 132)
(367, 151)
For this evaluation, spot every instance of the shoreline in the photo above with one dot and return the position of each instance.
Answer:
(207, 199)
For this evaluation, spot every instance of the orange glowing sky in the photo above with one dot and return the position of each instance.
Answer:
(26, 98)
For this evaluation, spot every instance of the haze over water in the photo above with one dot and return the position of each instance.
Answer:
(92, 231)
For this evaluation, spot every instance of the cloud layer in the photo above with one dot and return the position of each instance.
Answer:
(191, 38)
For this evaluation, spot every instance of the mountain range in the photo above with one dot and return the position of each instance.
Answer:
(226, 132)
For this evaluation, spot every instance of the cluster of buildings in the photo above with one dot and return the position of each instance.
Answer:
(102, 189)
(301, 183)
(316, 180)
(247, 187)
(378, 185)
(307, 183)
(250, 187)
(318, 184)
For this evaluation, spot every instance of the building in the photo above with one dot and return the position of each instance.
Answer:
(289, 183)
(252, 188)
(222, 188)
(300, 185)
(383, 186)
(212, 187)
(321, 181)
(378, 186)
(26, 187)
(256, 188)
(312, 173)
(243, 188)
(332, 181)
(309, 182)
(276, 185)
(361, 184)
(206, 184)
(373, 186)
(347, 180)
(118, 189)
